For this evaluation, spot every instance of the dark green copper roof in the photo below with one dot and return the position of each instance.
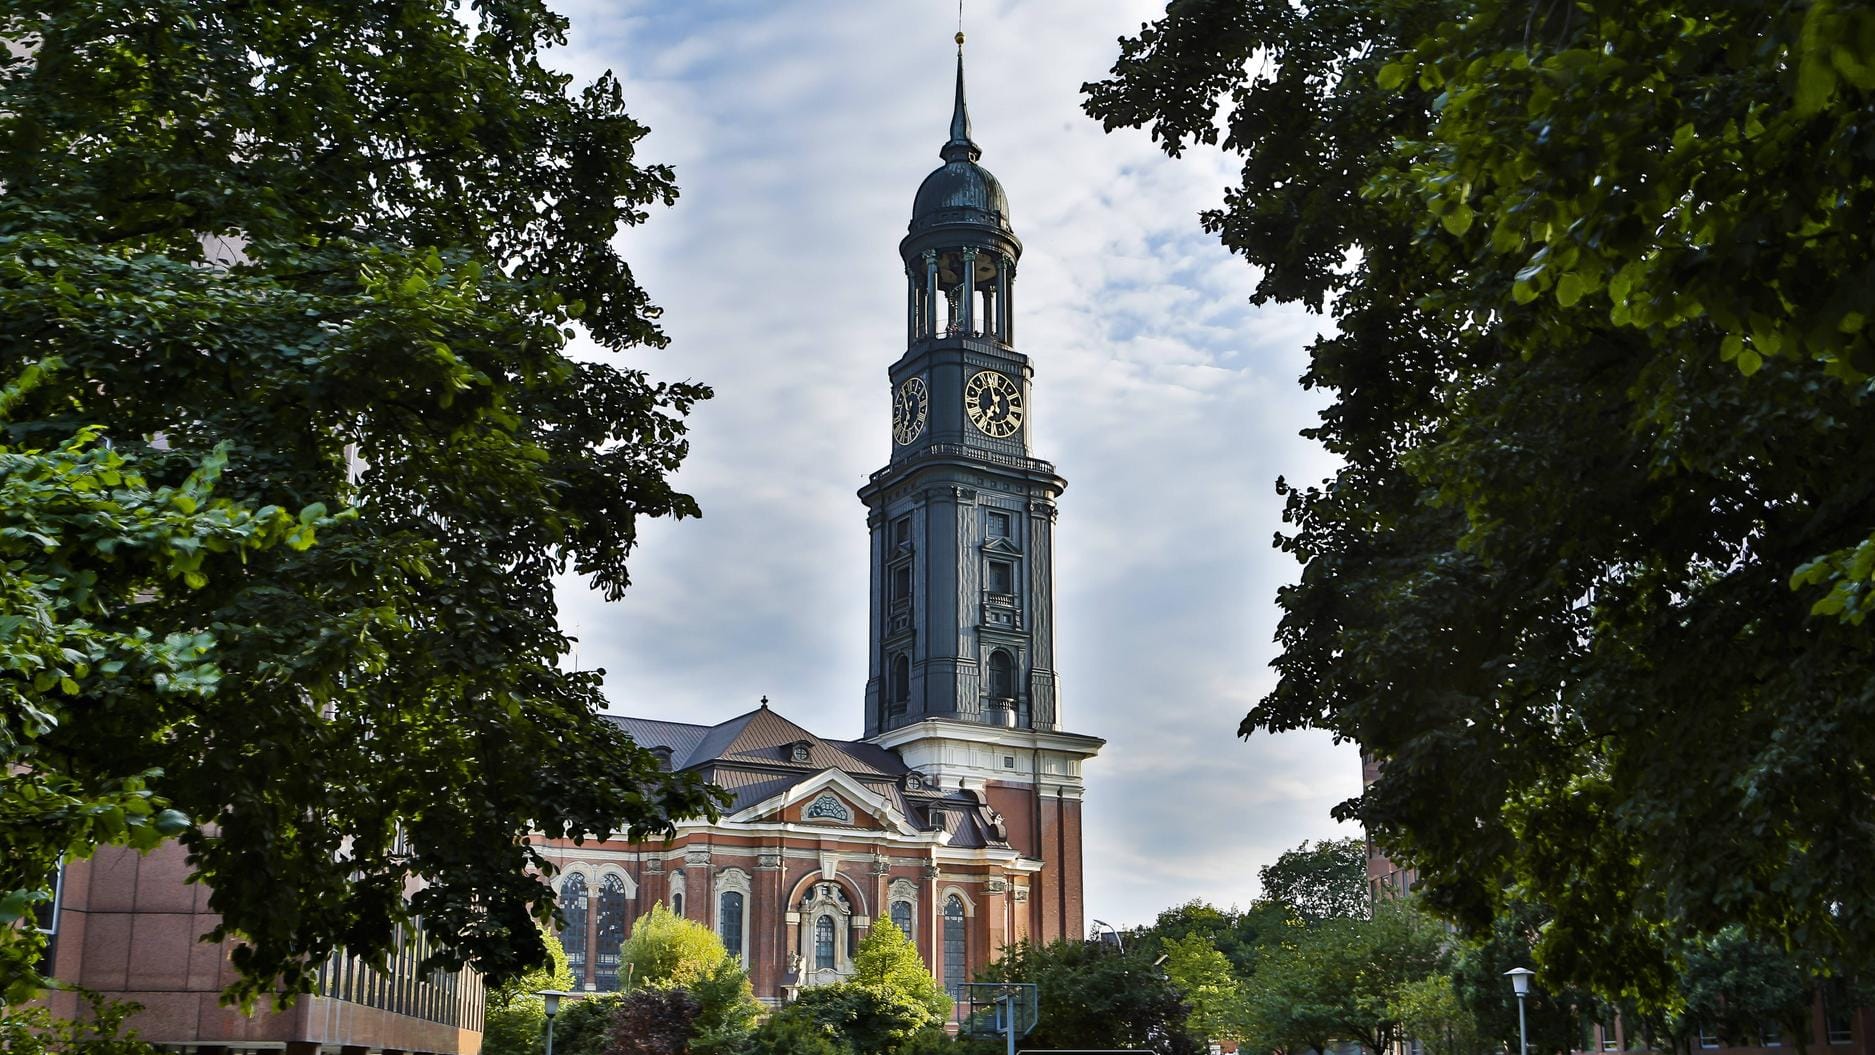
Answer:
(961, 191)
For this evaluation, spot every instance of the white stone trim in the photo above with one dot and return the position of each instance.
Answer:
(944, 897)
(852, 790)
(733, 881)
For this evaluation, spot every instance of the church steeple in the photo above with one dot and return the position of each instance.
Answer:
(962, 515)
(960, 147)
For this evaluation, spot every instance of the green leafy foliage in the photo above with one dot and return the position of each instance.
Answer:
(1238, 934)
(727, 1010)
(1590, 576)
(887, 961)
(1093, 996)
(1342, 979)
(654, 1022)
(1325, 881)
(791, 1032)
(668, 951)
(1210, 988)
(515, 1021)
(868, 1020)
(85, 540)
(1429, 1011)
(34, 1030)
(583, 1026)
(1555, 1014)
(278, 240)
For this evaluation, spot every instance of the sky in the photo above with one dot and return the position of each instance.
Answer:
(799, 133)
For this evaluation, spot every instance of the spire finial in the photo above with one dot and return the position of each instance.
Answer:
(764, 701)
(960, 147)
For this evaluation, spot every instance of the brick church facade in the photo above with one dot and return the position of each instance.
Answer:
(957, 817)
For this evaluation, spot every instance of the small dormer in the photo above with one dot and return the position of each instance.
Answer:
(801, 752)
(663, 756)
(913, 781)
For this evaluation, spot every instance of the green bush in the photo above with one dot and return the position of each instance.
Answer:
(791, 1031)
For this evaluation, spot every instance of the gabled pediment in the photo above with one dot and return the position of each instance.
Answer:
(1002, 545)
(829, 799)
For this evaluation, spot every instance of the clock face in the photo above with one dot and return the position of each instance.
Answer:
(910, 404)
(994, 404)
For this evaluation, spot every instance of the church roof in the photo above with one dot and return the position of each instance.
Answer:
(961, 191)
(752, 757)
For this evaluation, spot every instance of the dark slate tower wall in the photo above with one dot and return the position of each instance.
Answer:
(961, 500)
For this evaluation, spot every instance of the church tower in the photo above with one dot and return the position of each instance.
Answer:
(962, 656)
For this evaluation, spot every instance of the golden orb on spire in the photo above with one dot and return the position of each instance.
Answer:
(960, 38)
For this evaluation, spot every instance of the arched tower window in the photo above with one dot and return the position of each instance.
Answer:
(823, 943)
(956, 959)
(901, 683)
(611, 933)
(901, 918)
(1002, 675)
(677, 903)
(573, 935)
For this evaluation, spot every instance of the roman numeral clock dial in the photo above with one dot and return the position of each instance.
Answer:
(910, 404)
(994, 404)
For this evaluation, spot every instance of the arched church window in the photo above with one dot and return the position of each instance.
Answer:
(901, 917)
(901, 682)
(956, 960)
(1002, 675)
(677, 903)
(611, 933)
(823, 943)
(573, 935)
(729, 922)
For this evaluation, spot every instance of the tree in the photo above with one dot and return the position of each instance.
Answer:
(1342, 979)
(666, 950)
(1429, 1011)
(515, 1022)
(1740, 987)
(1328, 881)
(868, 1020)
(1238, 934)
(583, 1026)
(791, 1032)
(1094, 996)
(1591, 577)
(726, 1010)
(84, 537)
(1553, 1012)
(887, 961)
(1211, 990)
(654, 1022)
(281, 233)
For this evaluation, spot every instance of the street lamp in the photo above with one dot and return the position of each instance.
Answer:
(1112, 934)
(550, 1001)
(1519, 981)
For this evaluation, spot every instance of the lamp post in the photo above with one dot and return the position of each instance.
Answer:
(550, 1002)
(1520, 982)
(1112, 934)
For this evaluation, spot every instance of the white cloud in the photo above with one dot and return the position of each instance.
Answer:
(799, 132)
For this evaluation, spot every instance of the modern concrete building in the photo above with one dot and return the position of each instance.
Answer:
(130, 926)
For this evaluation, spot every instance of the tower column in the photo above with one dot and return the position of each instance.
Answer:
(930, 292)
(967, 318)
(1009, 302)
(911, 305)
(1002, 298)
